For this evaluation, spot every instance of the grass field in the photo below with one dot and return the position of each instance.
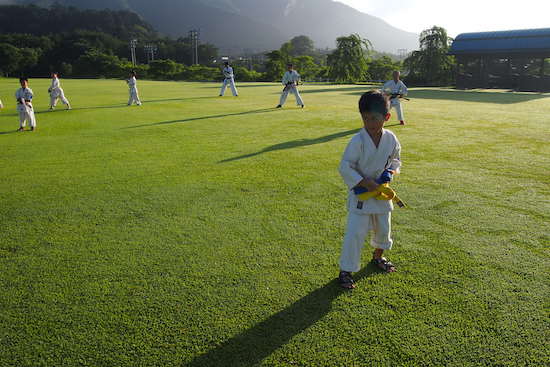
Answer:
(205, 231)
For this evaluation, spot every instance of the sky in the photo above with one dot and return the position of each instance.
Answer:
(458, 16)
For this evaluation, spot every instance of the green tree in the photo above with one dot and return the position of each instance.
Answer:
(274, 66)
(431, 65)
(302, 46)
(381, 69)
(306, 66)
(164, 69)
(348, 63)
(10, 56)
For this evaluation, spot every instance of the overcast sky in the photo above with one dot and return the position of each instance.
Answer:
(458, 16)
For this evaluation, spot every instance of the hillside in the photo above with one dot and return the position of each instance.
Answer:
(257, 25)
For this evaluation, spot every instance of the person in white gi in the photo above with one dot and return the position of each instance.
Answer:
(24, 105)
(132, 85)
(370, 159)
(229, 78)
(290, 81)
(56, 92)
(396, 89)
(1, 104)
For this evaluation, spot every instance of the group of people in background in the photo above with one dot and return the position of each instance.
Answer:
(395, 90)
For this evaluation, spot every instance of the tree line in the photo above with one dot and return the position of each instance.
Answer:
(92, 43)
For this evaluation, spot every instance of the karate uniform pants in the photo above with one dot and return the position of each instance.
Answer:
(294, 90)
(26, 113)
(358, 226)
(231, 83)
(59, 94)
(396, 103)
(134, 97)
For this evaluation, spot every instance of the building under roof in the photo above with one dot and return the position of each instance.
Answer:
(518, 60)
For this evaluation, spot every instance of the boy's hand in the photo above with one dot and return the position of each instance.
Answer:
(385, 177)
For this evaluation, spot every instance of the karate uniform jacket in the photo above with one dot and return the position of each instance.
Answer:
(362, 159)
(291, 77)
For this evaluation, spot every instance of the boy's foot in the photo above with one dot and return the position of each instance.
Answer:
(278, 106)
(384, 264)
(20, 129)
(220, 95)
(303, 106)
(33, 128)
(345, 280)
(401, 122)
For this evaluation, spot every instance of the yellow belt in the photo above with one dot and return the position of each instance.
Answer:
(382, 192)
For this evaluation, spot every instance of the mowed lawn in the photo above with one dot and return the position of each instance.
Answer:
(205, 231)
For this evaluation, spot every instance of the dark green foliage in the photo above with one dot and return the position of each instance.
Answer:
(381, 69)
(88, 43)
(431, 65)
(348, 63)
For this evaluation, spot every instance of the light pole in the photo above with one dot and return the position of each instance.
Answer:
(150, 50)
(133, 44)
(194, 35)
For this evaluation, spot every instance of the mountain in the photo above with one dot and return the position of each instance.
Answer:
(257, 25)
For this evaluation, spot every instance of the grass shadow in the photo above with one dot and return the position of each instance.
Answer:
(360, 89)
(263, 110)
(294, 144)
(255, 344)
(501, 97)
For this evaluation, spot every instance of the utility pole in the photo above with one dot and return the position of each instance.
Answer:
(150, 50)
(133, 44)
(194, 35)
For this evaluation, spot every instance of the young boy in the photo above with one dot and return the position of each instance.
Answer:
(395, 90)
(132, 84)
(229, 78)
(56, 92)
(24, 105)
(290, 81)
(371, 158)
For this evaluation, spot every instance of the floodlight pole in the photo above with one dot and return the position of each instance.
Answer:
(194, 35)
(133, 44)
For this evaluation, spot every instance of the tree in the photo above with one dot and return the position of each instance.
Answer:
(164, 69)
(10, 57)
(381, 69)
(348, 63)
(274, 66)
(302, 46)
(431, 64)
(307, 68)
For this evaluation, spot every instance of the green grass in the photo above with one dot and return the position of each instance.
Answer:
(205, 231)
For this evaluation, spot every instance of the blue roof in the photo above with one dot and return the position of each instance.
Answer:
(533, 41)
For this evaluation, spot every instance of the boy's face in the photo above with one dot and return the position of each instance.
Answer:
(374, 121)
(24, 83)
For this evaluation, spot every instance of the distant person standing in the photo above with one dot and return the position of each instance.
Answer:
(395, 89)
(290, 81)
(24, 105)
(229, 78)
(1, 105)
(56, 92)
(132, 85)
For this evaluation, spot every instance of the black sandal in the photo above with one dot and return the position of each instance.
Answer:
(345, 280)
(384, 264)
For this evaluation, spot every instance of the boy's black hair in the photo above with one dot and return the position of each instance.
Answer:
(23, 78)
(374, 101)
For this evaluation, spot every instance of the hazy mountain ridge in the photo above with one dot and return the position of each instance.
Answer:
(257, 25)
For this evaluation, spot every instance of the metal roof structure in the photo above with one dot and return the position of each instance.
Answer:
(524, 41)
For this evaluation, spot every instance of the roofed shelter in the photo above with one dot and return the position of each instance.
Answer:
(518, 60)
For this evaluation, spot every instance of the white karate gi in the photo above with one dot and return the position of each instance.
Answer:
(1, 104)
(134, 96)
(229, 78)
(24, 107)
(362, 159)
(293, 78)
(56, 92)
(391, 87)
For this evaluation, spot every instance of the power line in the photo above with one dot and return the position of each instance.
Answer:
(194, 35)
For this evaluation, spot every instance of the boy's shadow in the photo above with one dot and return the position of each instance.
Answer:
(253, 345)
